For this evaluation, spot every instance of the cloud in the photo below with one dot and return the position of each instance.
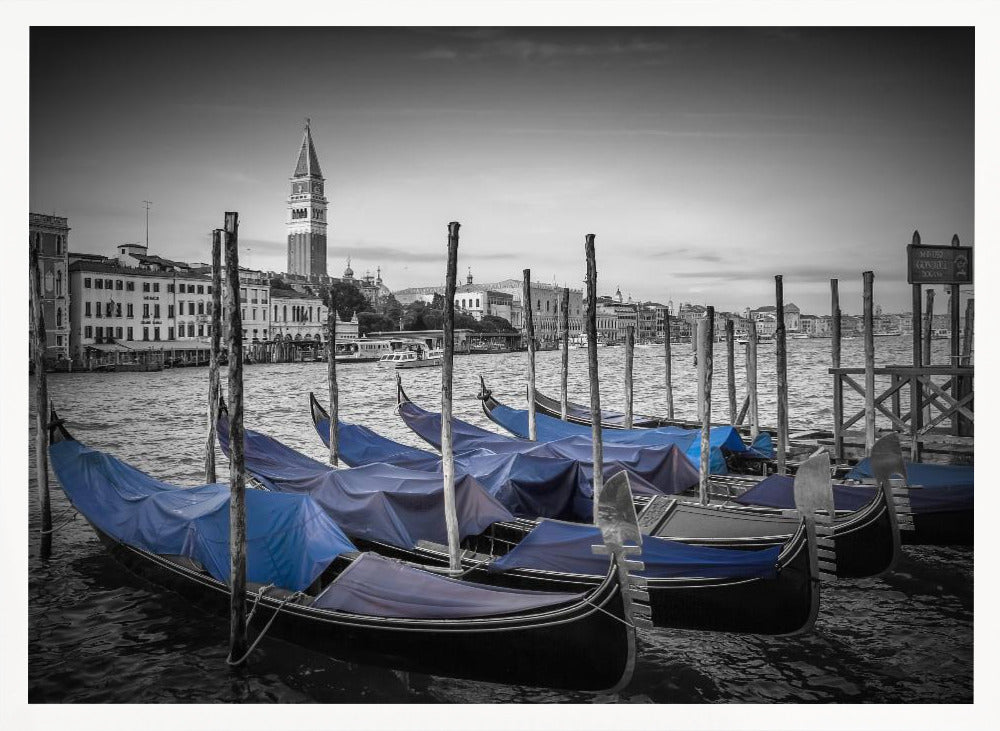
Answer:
(374, 252)
(527, 50)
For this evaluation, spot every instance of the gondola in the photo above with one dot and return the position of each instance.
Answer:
(940, 498)
(580, 414)
(867, 539)
(325, 595)
(728, 450)
(770, 591)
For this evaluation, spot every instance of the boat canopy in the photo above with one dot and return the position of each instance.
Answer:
(379, 502)
(549, 429)
(656, 463)
(373, 585)
(565, 547)
(543, 480)
(925, 474)
(290, 539)
(776, 491)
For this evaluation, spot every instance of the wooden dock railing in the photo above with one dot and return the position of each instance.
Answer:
(943, 414)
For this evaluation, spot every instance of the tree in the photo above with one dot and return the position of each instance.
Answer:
(391, 308)
(492, 323)
(369, 322)
(349, 300)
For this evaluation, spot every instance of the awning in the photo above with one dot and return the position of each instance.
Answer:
(168, 345)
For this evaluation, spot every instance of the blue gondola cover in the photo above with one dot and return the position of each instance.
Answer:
(373, 585)
(290, 539)
(565, 547)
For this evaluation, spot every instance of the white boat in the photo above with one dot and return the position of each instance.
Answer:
(412, 359)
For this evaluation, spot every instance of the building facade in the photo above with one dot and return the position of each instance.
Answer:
(136, 299)
(50, 236)
(307, 214)
(297, 316)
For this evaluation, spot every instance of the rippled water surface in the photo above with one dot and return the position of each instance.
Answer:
(98, 634)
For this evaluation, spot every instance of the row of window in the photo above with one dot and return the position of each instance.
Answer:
(129, 286)
(300, 313)
(114, 309)
(253, 296)
(60, 241)
(128, 332)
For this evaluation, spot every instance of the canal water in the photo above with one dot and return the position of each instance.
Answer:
(98, 634)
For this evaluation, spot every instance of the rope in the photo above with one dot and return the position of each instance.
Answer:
(602, 609)
(277, 611)
(61, 525)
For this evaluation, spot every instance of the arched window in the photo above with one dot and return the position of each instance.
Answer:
(59, 317)
(59, 283)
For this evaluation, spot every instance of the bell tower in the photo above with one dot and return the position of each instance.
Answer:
(307, 213)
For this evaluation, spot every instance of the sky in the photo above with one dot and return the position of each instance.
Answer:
(705, 160)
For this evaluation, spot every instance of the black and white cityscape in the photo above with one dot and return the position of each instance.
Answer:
(572, 364)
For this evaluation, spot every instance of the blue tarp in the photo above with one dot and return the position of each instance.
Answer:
(540, 480)
(565, 547)
(379, 502)
(549, 429)
(574, 440)
(290, 540)
(925, 474)
(776, 491)
(374, 585)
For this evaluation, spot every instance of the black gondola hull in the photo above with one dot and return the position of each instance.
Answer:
(578, 647)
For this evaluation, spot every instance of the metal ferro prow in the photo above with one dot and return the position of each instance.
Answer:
(813, 490)
(614, 514)
(886, 460)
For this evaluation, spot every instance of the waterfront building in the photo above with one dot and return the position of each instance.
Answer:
(792, 314)
(546, 300)
(136, 299)
(255, 289)
(50, 234)
(299, 316)
(371, 287)
(417, 294)
(307, 213)
(480, 302)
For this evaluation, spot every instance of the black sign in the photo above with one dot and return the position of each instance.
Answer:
(939, 264)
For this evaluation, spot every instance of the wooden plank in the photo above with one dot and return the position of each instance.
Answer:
(237, 472)
(42, 410)
(447, 368)
(529, 325)
(595, 389)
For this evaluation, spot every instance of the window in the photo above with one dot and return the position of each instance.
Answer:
(88, 332)
(59, 283)
(255, 333)
(128, 332)
(190, 329)
(119, 284)
(170, 288)
(145, 311)
(108, 284)
(59, 340)
(128, 310)
(191, 307)
(145, 286)
(100, 332)
(156, 312)
(98, 284)
(477, 302)
(243, 314)
(118, 309)
(275, 312)
(86, 282)
(201, 330)
(111, 309)
(118, 333)
(263, 297)
(210, 289)
(254, 313)
(201, 289)
(243, 294)
(208, 307)
(97, 310)
(170, 333)
(156, 288)
(156, 333)
(129, 286)
(86, 309)
(59, 317)
(284, 316)
(539, 306)
(170, 313)
(191, 288)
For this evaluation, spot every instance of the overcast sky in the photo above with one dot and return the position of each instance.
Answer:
(705, 160)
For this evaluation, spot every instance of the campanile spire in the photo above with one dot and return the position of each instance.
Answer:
(307, 208)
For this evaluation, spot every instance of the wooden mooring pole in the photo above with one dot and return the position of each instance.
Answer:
(42, 410)
(964, 425)
(868, 279)
(928, 335)
(214, 349)
(781, 360)
(752, 379)
(447, 369)
(706, 338)
(331, 379)
(237, 474)
(838, 384)
(595, 387)
(529, 326)
(666, 366)
(564, 376)
(731, 369)
(629, 363)
(916, 412)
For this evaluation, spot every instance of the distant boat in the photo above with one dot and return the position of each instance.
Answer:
(412, 359)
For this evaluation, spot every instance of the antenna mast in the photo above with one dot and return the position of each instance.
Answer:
(147, 204)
